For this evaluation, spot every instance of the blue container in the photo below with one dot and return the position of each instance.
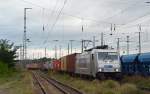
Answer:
(128, 58)
(129, 64)
(144, 60)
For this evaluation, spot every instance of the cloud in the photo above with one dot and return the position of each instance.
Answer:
(94, 15)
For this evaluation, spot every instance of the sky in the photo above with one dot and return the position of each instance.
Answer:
(63, 20)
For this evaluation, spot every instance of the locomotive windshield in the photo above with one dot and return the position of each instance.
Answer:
(107, 56)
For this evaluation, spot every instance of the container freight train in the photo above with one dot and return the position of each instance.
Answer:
(33, 66)
(94, 62)
(136, 64)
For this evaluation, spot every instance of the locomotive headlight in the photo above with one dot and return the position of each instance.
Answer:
(100, 69)
(116, 70)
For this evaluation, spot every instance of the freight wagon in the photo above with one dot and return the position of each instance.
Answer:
(95, 62)
(136, 64)
(144, 63)
(129, 64)
(70, 62)
(56, 65)
(63, 64)
(33, 66)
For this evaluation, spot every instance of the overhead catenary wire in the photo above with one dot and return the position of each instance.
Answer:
(98, 21)
(43, 20)
(63, 14)
(53, 11)
(137, 18)
(72, 16)
(57, 18)
(121, 11)
(43, 16)
(66, 14)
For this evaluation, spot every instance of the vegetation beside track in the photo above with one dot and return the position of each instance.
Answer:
(96, 86)
(142, 82)
(16, 83)
(12, 81)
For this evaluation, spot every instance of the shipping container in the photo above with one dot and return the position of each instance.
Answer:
(144, 64)
(70, 62)
(56, 65)
(63, 64)
(129, 64)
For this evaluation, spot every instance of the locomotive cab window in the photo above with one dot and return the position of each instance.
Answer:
(112, 56)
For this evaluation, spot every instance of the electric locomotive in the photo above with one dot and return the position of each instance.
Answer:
(99, 62)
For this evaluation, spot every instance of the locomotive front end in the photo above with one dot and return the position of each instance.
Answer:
(108, 63)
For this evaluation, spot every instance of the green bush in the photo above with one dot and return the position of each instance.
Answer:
(3, 68)
(6, 71)
(7, 52)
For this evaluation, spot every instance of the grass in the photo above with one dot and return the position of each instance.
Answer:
(13, 81)
(17, 84)
(96, 86)
(138, 81)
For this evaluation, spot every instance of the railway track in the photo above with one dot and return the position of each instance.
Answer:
(46, 85)
(38, 86)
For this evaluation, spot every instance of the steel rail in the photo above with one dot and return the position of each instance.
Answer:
(39, 84)
(63, 87)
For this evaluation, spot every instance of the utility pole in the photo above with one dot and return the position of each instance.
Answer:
(94, 41)
(102, 39)
(68, 49)
(71, 45)
(24, 36)
(82, 43)
(45, 52)
(139, 42)
(55, 49)
(128, 45)
(20, 52)
(140, 38)
(60, 51)
(118, 45)
(55, 52)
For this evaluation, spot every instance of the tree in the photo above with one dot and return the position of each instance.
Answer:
(7, 52)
